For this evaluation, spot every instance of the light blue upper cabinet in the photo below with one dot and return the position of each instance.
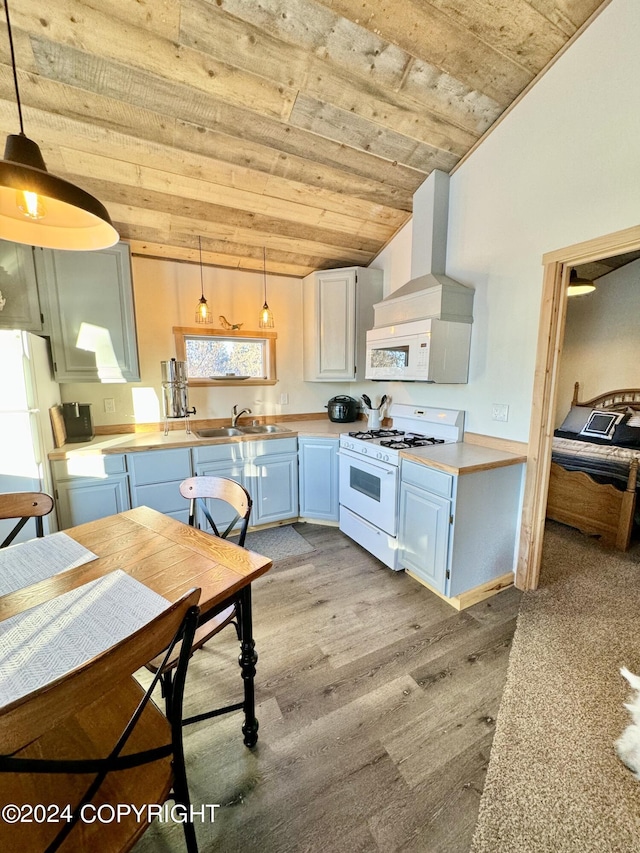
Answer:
(19, 303)
(88, 303)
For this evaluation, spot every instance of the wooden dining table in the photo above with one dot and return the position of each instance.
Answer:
(170, 558)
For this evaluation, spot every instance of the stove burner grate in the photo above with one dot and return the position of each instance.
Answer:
(370, 434)
(411, 440)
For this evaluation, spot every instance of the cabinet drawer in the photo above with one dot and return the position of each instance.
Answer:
(159, 466)
(271, 447)
(231, 452)
(165, 497)
(91, 465)
(427, 478)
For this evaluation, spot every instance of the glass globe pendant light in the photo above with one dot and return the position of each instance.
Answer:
(38, 208)
(203, 315)
(266, 315)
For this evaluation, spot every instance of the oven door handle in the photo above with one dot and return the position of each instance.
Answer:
(365, 459)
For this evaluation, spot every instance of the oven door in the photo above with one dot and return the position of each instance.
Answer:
(370, 490)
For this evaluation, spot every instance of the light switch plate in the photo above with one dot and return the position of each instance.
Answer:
(500, 412)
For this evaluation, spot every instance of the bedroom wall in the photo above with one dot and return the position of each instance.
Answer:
(602, 339)
(561, 168)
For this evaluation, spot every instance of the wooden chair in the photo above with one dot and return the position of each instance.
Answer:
(93, 739)
(234, 503)
(23, 506)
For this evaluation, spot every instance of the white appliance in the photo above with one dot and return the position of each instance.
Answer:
(369, 478)
(28, 390)
(422, 330)
(420, 351)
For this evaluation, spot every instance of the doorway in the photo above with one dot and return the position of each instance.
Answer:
(557, 265)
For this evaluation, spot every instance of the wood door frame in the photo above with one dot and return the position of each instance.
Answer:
(545, 388)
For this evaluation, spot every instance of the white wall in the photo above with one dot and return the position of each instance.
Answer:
(602, 339)
(166, 294)
(561, 168)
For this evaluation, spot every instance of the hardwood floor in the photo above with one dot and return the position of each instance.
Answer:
(377, 705)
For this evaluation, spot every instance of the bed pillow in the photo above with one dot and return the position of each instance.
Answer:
(576, 420)
(627, 432)
(601, 424)
(634, 417)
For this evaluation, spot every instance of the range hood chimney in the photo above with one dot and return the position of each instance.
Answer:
(429, 293)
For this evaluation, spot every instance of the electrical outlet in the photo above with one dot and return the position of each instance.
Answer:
(500, 412)
(109, 405)
(284, 399)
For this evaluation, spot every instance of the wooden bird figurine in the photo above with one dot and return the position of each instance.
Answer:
(227, 325)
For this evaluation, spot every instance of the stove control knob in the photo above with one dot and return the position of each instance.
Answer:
(365, 450)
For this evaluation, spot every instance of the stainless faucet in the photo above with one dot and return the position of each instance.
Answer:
(236, 414)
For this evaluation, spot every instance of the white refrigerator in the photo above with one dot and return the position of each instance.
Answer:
(27, 390)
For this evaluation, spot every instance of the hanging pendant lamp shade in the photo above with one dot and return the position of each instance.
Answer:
(266, 315)
(579, 286)
(203, 315)
(38, 208)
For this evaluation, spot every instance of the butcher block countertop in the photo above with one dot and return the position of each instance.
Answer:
(462, 458)
(132, 442)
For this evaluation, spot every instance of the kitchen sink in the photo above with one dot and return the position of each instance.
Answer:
(217, 432)
(261, 429)
(225, 432)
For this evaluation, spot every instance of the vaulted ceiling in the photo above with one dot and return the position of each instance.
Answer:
(300, 126)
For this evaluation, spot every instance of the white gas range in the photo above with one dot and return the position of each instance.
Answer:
(369, 473)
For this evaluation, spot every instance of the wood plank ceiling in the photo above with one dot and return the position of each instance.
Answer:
(301, 126)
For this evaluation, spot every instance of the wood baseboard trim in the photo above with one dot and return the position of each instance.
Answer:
(471, 596)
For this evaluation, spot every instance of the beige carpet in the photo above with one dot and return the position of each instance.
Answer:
(554, 783)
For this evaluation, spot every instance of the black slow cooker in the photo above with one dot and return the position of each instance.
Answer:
(342, 409)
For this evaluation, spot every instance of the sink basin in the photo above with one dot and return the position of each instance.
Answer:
(217, 432)
(261, 429)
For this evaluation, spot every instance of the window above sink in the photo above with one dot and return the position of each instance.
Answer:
(221, 357)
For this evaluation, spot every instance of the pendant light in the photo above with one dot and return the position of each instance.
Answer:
(38, 208)
(266, 315)
(203, 315)
(579, 286)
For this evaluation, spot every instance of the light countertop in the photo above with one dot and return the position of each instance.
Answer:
(132, 442)
(462, 458)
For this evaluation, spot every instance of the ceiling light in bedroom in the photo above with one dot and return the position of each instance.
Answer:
(579, 286)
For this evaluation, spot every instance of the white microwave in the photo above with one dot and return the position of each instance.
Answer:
(419, 351)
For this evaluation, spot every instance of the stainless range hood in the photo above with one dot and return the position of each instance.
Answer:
(430, 293)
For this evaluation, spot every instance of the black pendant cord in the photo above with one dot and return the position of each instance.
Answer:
(200, 247)
(264, 267)
(13, 66)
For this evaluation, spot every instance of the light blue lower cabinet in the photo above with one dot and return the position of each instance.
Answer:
(458, 532)
(272, 482)
(319, 478)
(268, 469)
(424, 534)
(155, 477)
(89, 487)
(85, 499)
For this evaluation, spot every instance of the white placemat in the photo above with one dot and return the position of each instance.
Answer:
(29, 562)
(49, 640)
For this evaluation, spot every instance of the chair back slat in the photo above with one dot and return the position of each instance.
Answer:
(28, 717)
(25, 504)
(221, 488)
(200, 489)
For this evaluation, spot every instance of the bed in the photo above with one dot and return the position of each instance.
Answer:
(593, 480)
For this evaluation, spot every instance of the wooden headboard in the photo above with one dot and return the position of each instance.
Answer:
(617, 401)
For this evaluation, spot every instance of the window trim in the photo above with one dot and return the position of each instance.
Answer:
(180, 332)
